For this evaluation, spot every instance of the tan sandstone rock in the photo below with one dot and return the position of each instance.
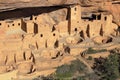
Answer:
(25, 68)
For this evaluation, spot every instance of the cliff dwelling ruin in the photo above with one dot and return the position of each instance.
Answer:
(42, 37)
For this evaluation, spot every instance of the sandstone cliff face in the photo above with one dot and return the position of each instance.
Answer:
(115, 10)
(13, 4)
(111, 6)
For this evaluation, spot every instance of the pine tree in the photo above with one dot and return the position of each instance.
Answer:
(111, 66)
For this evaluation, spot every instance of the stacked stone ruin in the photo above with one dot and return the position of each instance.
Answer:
(24, 42)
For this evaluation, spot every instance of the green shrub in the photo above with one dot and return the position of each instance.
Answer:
(80, 78)
(63, 71)
(77, 66)
(68, 71)
(91, 51)
(89, 58)
(108, 68)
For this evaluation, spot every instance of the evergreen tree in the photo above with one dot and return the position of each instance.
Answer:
(111, 66)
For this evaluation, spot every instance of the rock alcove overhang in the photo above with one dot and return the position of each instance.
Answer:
(29, 11)
(6, 5)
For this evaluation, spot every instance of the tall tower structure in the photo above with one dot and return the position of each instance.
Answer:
(74, 19)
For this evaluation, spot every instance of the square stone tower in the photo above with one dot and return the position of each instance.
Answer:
(74, 18)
